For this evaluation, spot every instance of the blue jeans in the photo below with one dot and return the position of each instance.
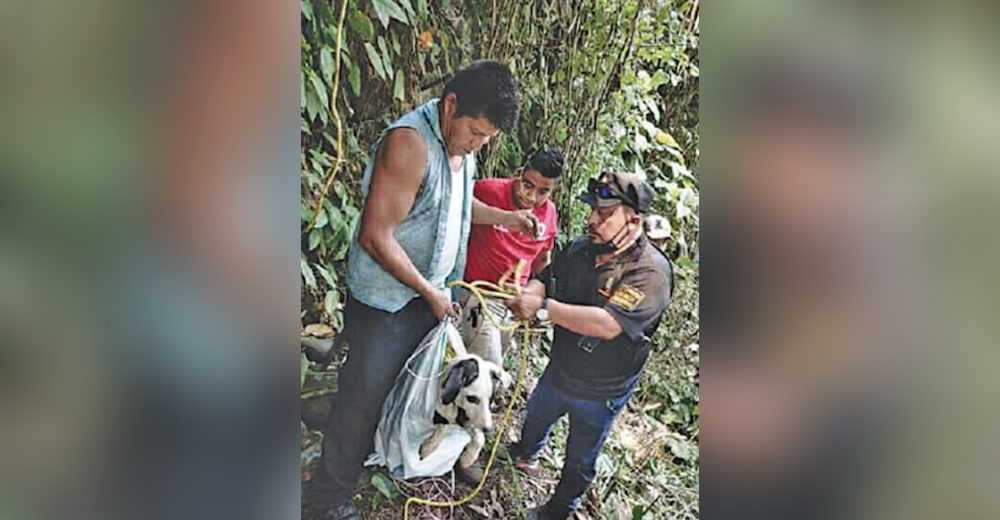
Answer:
(589, 423)
(379, 343)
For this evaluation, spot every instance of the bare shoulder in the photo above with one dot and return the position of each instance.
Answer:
(402, 152)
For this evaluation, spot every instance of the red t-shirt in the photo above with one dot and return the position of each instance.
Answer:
(493, 250)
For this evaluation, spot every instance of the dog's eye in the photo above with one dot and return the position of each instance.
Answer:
(472, 399)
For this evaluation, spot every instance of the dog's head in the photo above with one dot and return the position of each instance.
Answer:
(470, 384)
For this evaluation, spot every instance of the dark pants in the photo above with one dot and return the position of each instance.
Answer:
(589, 423)
(379, 343)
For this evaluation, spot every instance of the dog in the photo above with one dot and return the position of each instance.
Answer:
(464, 402)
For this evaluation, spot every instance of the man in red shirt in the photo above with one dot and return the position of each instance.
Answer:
(513, 220)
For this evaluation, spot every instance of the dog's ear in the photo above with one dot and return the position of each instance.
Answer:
(452, 384)
(500, 376)
(470, 371)
(461, 374)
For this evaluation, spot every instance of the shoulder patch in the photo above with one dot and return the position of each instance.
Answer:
(627, 297)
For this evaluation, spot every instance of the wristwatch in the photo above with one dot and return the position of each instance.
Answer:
(543, 313)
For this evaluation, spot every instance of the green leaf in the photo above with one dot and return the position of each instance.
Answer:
(320, 89)
(326, 64)
(313, 105)
(320, 158)
(355, 78)
(307, 9)
(653, 108)
(375, 60)
(666, 139)
(638, 512)
(659, 78)
(314, 237)
(679, 170)
(384, 486)
(331, 302)
(398, 90)
(341, 252)
(321, 219)
(675, 153)
(355, 221)
(422, 8)
(682, 448)
(343, 41)
(641, 143)
(651, 129)
(307, 273)
(352, 144)
(325, 273)
(386, 58)
(386, 9)
(408, 7)
(362, 25)
(336, 217)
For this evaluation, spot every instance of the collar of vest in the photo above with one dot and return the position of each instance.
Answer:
(432, 116)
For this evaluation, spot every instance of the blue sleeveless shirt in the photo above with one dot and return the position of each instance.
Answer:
(422, 233)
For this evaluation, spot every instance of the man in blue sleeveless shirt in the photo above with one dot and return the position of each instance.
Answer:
(411, 242)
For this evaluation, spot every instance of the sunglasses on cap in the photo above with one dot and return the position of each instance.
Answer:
(611, 190)
(602, 190)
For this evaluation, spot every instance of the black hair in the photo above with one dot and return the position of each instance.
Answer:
(547, 161)
(486, 89)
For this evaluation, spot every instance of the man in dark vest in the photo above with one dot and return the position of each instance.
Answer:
(605, 293)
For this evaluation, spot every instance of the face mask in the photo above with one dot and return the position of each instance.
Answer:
(611, 245)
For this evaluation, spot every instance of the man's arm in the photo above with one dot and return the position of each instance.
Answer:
(521, 220)
(638, 303)
(396, 178)
(586, 320)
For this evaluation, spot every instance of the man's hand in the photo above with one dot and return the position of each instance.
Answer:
(440, 304)
(525, 305)
(521, 220)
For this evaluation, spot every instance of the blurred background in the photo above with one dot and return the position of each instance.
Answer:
(849, 167)
(148, 166)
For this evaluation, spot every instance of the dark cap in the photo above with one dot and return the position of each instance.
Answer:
(619, 188)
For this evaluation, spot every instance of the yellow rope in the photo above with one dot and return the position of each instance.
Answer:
(477, 289)
(332, 172)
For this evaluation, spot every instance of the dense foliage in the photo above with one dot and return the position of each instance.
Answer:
(612, 83)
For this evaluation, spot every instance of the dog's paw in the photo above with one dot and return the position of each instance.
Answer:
(468, 458)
